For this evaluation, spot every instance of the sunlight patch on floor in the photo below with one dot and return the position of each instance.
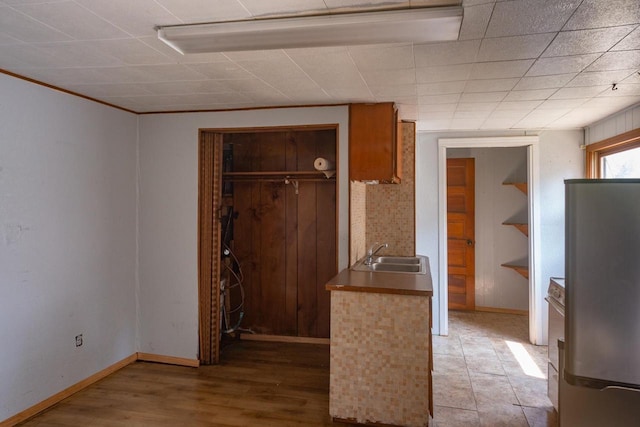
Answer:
(525, 360)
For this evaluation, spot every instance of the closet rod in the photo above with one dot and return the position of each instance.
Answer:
(283, 180)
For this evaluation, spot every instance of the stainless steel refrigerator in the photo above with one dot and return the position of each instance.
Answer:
(601, 354)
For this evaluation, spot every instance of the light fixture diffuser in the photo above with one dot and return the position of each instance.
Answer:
(392, 26)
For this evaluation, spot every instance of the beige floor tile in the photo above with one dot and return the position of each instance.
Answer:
(487, 365)
(453, 391)
(530, 391)
(492, 389)
(454, 417)
(541, 417)
(447, 345)
(477, 346)
(502, 416)
(444, 364)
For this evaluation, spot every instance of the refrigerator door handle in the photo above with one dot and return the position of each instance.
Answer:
(618, 387)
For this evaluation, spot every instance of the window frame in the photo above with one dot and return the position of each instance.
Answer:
(619, 143)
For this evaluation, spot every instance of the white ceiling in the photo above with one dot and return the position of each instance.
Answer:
(522, 64)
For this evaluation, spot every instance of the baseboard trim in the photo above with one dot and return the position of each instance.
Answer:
(503, 310)
(168, 360)
(284, 338)
(58, 397)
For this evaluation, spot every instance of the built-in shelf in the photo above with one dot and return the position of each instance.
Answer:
(521, 269)
(279, 175)
(521, 226)
(522, 186)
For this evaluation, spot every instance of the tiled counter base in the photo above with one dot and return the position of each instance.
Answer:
(380, 358)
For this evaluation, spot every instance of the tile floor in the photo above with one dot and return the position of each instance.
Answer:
(478, 380)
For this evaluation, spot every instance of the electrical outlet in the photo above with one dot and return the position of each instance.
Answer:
(78, 340)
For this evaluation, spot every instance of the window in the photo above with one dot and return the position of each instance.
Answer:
(617, 157)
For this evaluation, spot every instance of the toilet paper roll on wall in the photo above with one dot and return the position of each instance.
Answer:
(324, 165)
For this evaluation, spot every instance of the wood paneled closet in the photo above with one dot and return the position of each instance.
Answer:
(278, 216)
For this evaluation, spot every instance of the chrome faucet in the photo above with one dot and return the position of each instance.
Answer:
(372, 252)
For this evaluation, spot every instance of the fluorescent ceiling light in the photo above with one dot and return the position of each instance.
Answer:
(394, 26)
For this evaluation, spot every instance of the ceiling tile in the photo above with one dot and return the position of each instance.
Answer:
(441, 88)
(78, 54)
(561, 64)
(382, 57)
(600, 78)
(476, 106)
(500, 69)
(23, 28)
(619, 60)
(529, 95)
(321, 67)
(196, 11)
(586, 41)
(444, 73)
(389, 92)
(483, 97)
(559, 104)
(516, 47)
(178, 87)
(632, 41)
(579, 92)
(475, 21)
(496, 85)
(499, 123)
(517, 105)
(404, 76)
(131, 51)
(260, 8)
(438, 108)
(624, 89)
(221, 71)
(72, 19)
(544, 82)
(138, 18)
(451, 98)
(539, 119)
(607, 13)
(515, 115)
(430, 55)
(275, 69)
(352, 94)
(467, 123)
(25, 56)
(512, 18)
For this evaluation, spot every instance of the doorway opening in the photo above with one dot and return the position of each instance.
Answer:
(267, 233)
(534, 288)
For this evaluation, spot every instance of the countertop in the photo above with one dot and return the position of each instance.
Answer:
(382, 282)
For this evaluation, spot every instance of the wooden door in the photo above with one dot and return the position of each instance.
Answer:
(461, 233)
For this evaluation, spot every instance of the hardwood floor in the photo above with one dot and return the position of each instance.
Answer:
(256, 384)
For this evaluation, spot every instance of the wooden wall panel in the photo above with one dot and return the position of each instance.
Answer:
(286, 242)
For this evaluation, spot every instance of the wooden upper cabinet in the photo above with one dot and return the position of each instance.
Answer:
(375, 145)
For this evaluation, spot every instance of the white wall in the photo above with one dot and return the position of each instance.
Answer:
(169, 214)
(67, 240)
(616, 124)
(559, 158)
(495, 243)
